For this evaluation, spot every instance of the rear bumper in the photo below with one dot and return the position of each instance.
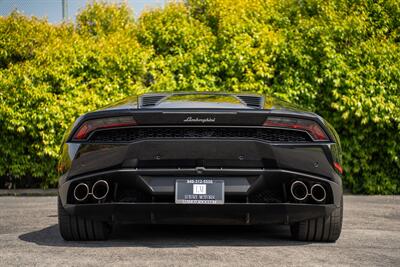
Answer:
(238, 182)
(164, 213)
(256, 175)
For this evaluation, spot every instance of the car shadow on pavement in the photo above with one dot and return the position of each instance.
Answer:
(173, 236)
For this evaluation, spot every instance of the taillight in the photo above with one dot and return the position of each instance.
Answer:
(311, 127)
(92, 125)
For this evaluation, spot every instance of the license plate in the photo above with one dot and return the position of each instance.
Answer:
(199, 191)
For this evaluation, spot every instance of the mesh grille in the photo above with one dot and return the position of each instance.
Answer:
(132, 134)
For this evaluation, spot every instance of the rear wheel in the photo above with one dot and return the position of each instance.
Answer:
(76, 228)
(324, 229)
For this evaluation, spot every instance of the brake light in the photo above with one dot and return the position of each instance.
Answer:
(92, 125)
(311, 127)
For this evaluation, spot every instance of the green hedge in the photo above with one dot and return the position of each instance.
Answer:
(339, 58)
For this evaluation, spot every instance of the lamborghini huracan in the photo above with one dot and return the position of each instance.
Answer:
(201, 158)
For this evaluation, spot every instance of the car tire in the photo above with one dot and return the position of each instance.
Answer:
(322, 229)
(76, 228)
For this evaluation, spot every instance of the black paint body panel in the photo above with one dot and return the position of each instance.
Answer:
(257, 173)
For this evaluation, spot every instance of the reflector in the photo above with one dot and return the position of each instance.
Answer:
(338, 167)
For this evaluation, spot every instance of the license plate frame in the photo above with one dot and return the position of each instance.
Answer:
(200, 191)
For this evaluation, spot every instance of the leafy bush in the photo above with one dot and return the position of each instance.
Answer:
(339, 58)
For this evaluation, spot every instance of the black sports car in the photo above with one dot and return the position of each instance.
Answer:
(201, 158)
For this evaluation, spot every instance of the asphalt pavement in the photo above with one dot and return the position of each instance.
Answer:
(370, 237)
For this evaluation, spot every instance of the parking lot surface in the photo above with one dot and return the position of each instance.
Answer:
(370, 237)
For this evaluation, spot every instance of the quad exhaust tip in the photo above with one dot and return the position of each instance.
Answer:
(299, 190)
(318, 193)
(81, 191)
(100, 189)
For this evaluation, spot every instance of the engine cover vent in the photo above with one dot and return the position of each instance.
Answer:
(221, 133)
(252, 100)
(151, 100)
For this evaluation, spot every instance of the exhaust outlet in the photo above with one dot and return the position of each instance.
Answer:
(299, 190)
(318, 192)
(81, 191)
(100, 189)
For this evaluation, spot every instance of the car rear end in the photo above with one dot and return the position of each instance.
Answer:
(201, 159)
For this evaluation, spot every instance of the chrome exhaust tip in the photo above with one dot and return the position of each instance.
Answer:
(318, 193)
(299, 190)
(81, 191)
(100, 189)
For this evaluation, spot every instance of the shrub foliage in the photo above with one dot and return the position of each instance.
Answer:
(339, 58)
